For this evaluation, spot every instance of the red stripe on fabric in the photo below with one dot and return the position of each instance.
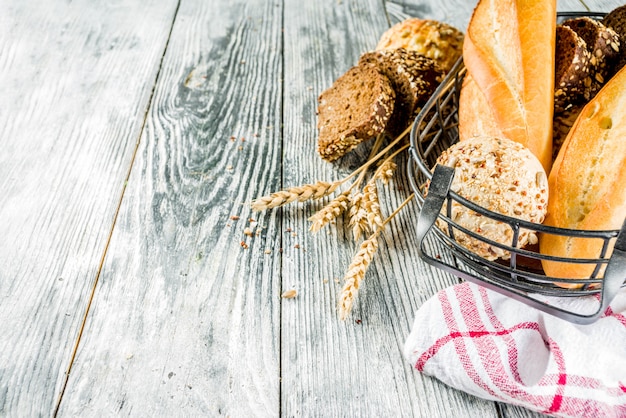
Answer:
(621, 318)
(459, 344)
(557, 354)
(509, 341)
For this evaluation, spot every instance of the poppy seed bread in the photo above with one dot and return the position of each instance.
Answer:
(355, 108)
(414, 78)
(603, 44)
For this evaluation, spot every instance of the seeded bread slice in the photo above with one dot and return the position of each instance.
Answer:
(355, 108)
(603, 44)
(414, 78)
(616, 20)
(572, 60)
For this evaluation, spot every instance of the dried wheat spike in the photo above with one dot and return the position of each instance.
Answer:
(372, 205)
(299, 193)
(386, 171)
(330, 212)
(358, 216)
(356, 273)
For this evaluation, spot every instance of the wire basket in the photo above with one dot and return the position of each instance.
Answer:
(520, 277)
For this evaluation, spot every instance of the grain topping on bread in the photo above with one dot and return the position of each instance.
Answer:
(501, 176)
(414, 78)
(433, 39)
(616, 20)
(603, 44)
(572, 62)
(355, 108)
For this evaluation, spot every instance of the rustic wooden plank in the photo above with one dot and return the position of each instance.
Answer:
(352, 368)
(76, 79)
(186, 321)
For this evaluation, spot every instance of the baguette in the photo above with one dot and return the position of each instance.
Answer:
(509, 53)
(588, 181)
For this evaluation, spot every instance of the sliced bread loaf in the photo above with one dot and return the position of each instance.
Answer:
(414, 78)
(616, 20)
(355, 108)
(572, 60)
(603, 44)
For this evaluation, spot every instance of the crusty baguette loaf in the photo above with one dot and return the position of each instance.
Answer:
(475, 116)
(588, 180)
(509, 52)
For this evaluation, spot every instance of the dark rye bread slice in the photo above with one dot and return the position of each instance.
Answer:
(616, 20)
(414, 78)
(571, 68)
(355, 108)
(603, 44)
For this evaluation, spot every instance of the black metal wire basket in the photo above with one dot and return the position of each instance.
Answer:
(521, 276)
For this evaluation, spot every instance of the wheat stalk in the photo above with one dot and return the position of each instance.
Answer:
(358, 216)
(355, 274)
(319, 189)
(330, 212)
(360, 264)
(371, 204)
(298, 193)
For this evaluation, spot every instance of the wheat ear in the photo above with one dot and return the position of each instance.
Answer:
(356, 273)
(299, 193)
(330, 212)
(371, 205)
(360, 264)
(358, 216)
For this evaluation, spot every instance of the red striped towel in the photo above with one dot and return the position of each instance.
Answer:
(496, 348)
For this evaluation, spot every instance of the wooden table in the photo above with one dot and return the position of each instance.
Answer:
(134, 135)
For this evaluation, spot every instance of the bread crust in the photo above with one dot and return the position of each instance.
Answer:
(509, 52)
(588, 180)
(433, 39)
(355, 108)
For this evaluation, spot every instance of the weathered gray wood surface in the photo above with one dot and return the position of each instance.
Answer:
(186, 316)
(75, 83)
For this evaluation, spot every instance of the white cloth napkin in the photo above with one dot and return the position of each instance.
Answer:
(496, 348)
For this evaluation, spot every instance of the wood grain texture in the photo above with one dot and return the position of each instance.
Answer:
(352, 368)
(186, 321)
(75, 80)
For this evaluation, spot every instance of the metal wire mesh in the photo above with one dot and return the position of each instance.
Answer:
(521, 276)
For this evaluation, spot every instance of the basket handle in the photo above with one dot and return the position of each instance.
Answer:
(433, 202)
(615, 272)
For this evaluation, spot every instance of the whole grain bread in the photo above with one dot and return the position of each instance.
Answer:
(355, 108)
(436, 40)
(414, 78)
(616, 20)
(603, 44)
(572, 61)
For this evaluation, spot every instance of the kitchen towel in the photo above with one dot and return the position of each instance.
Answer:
(499, 349)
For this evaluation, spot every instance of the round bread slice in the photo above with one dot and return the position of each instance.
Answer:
(436, 40)
(502, 176)
(414, 78)
(603, 44)
(355, 108)
(616, 20)
(572, 60)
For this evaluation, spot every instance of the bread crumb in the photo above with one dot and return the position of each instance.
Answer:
(268, 251)
(234, 218)
(244, 245)
(289, 294)
(247, 232)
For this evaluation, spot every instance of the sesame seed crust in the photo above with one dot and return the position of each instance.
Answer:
(501, 176)
(414, 78)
